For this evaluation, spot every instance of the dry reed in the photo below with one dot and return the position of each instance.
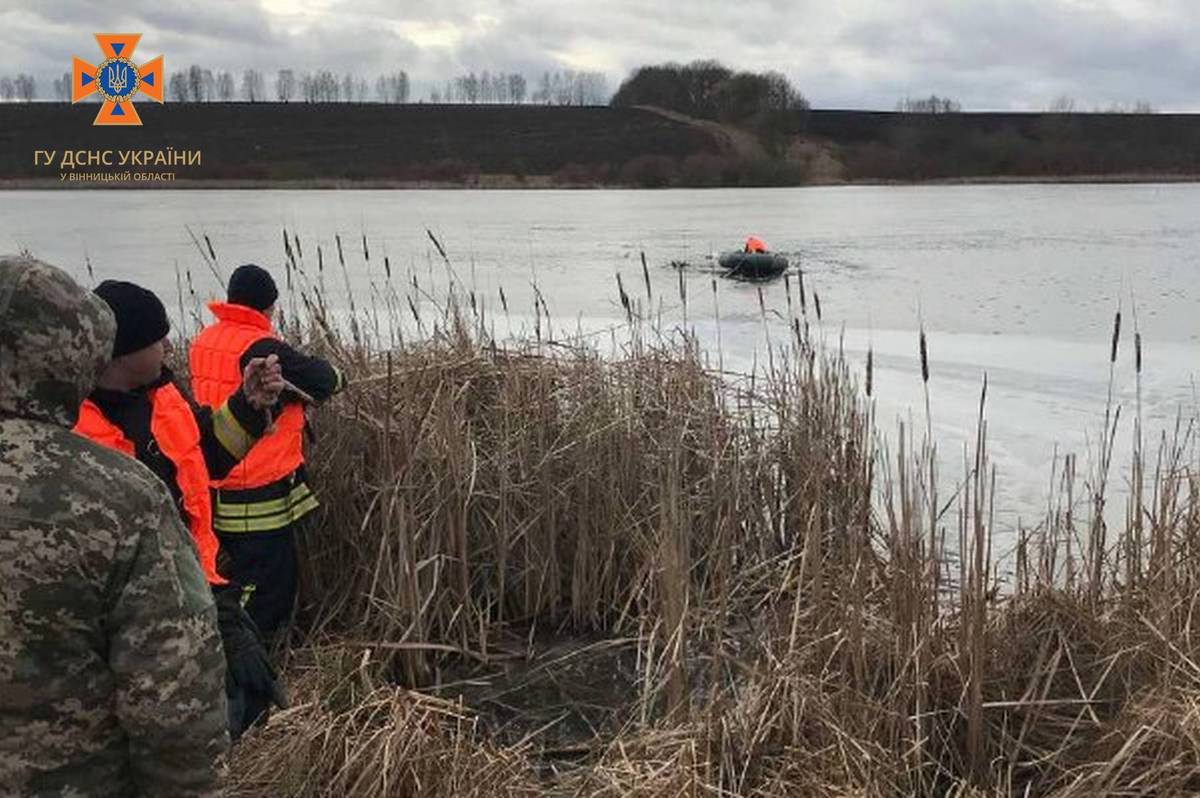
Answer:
(777, 583)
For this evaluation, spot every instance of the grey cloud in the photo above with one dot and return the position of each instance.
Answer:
(855, 53)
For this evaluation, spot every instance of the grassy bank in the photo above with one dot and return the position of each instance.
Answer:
(541, 570)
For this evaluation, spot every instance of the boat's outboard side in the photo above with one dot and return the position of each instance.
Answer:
(753, 265)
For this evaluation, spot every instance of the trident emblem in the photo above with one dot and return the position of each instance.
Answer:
(118, 77)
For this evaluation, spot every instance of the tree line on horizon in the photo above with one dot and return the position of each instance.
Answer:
(703, 88)
(201, 84)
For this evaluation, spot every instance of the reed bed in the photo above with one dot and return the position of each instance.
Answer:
(760, 596)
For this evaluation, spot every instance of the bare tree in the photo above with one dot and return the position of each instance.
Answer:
(62, 87)
(932, 104)
(393, 88)
(594, 90)
(8, 89)
(224, 86)
(560, 89)
(253, 86)
(1062, 104)
(177, 87)
(516, 88)
(285, 85)
(320, 87)
(26, 87)
(330, 87)
(195, 83)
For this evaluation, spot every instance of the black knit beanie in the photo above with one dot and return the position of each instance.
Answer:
(253, 287)
(141, 318)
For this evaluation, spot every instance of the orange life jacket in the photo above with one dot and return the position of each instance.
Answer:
(214, 360)
(754, 244)
(174, 429)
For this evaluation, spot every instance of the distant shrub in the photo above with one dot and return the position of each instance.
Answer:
(448, 170)
(704, 169)
(583, 174)
(772, 172)
(649, 171)
(709, 90)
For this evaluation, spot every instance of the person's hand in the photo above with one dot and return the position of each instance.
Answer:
(262, 381)
(251, 684)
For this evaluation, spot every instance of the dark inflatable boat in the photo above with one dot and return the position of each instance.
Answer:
(753, 265)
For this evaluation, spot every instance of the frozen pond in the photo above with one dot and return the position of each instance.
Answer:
(1019, 281)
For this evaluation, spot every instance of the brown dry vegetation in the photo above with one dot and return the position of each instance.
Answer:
(544, 571)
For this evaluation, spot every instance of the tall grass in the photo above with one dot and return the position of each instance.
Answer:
(800, 612)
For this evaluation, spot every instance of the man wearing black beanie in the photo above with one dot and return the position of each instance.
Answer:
(138, 408)
(253, 287)
(264, 502)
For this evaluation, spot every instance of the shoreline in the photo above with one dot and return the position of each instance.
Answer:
(502, 182)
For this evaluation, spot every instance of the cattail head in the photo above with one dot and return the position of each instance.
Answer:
(870, 369)
(503, 300)
(1137, 352)
(817, 304)
(1116, 337)
(803, 299)
(624, 298)
(646, 278)
(924, 358)
(436, 244)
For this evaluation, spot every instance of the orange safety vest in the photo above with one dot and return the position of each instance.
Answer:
(214, 360)
(174, 429)
(754, 244)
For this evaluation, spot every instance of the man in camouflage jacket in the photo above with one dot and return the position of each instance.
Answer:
(112, 680)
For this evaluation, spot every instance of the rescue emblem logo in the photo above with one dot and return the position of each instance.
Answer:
(117, 79)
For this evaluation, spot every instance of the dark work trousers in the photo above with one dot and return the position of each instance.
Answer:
(265, 564)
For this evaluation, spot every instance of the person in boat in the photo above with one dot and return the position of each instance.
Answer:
(754, 245)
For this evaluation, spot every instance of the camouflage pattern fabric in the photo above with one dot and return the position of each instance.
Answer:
(112, 680)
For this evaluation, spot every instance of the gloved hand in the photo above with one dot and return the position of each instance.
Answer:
(251, 685)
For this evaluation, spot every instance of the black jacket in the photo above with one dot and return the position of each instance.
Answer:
(313, 375)
(130, 412)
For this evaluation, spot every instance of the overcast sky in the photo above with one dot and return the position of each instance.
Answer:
(988, 54)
